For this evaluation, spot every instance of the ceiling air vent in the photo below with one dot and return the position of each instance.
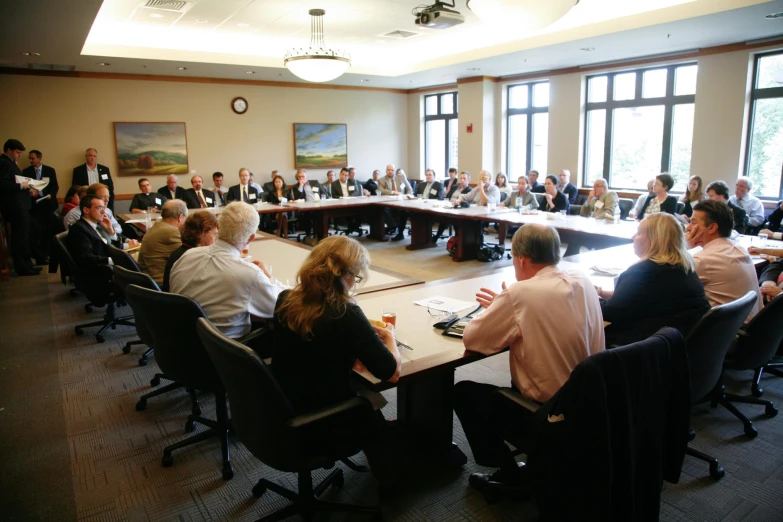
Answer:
(166, 5)
(50, 67)
(400, 34)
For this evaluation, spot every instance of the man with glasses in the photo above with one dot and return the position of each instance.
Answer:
(243, 192)
(750, 204)
(88, 238)
(484, 193)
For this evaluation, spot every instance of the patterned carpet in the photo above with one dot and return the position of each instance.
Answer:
(73, 447)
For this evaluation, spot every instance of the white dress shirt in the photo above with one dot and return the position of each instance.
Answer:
(230, 290)
(753, 207)
(76, 213)
(727, 273)
(474, 196)
(92, 174)
(544, 349)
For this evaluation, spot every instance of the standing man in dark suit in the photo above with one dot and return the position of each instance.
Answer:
(15, 203)
(44, 203)
(172, 190)
(430, 189)
(198, 197)
(91, 172)
(244, 192)
(566, 187)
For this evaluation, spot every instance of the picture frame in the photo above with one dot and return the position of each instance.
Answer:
(151, 148)
(320, 145)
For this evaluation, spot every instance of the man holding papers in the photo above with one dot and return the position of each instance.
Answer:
(16, 202)
(44, 203)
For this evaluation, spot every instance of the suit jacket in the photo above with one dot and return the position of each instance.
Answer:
(741, 218)
(774, 220)
(537, 188)
(104, 176)
(13, 198)
(191, 198)
(570, 191)
(337, 189)
(145, 201)
(307, 195)
(159, 242)
(400, 182)
(527, 199)
(455, 191)
(436, 186)
(447, 181)
(371, 186)
(235, 194)
(326, 190)
(669, 206)
(86, 246)
(610, 206)
(179, 192)
(51, 189)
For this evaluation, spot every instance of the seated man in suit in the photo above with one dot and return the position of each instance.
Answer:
(751, 204)
(88, 237)
(348, 188)
(601, 203)
(371, 185)
(197, 196)
(542, 352)
(172, 190)
(451, 181)
(219, 190)
(566, 187)
(535, 186)
(394, 185)
(146, 199)
(102, 191)
(460, 189)
(302, 189)
(230, 290)
(484, 193)
(162, 239)
(430, 189)
(326, 187)
(352, 177)
(724, 267)
(637, 207)
(244, 191)
(719, 191)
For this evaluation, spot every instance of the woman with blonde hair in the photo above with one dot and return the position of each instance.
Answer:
(693, 194)
(661, 289)
(320, 335)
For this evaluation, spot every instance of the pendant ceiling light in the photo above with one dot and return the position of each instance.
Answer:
(523, 15)
(317, 63)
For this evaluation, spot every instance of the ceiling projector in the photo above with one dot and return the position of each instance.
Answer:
(438, 16)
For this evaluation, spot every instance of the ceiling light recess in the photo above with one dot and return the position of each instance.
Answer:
(317, 63)
(525, 15)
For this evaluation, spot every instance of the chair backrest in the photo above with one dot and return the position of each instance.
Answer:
(761, 337)
(171, 319)
(540, 198)
(581, 199)
(711, 338)
(124, 278)
(680, 207)
(625, 207)
(503, 196)
(121, 258)
(65, 256)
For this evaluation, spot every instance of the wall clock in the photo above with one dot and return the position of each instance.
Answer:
(239, 105)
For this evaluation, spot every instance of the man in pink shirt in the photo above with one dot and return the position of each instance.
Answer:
(724, 267)
(544, 348)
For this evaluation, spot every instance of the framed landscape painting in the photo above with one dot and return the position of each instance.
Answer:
(151, 149)
(320, 145)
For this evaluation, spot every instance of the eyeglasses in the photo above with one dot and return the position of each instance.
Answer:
(358, 280)
(99, 208)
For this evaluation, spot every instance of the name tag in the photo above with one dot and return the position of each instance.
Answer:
(599, 204)
(433, 192)
(104, 177)
(316, 189)
(157, 201)
(351, 188)
(208, 200)
(251, 196)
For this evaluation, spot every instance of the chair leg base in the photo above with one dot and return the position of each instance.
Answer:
(716, 470)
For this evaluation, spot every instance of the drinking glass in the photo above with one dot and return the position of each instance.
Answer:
(763, 240)
(389, 316)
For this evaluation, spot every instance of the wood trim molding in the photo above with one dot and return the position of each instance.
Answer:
(474, 79)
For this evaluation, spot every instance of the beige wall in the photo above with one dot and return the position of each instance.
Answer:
(63, 116)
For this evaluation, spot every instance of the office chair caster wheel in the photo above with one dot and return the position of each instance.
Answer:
(141, 405)
(751, 432)
(143, 361)
(716, 471)
(190, 426)
(228, 473)
(99, 338)
(770, 410)
(259, 490)
(126, 348)
(88, 309)
(154, 381)
(78, 331)
(167, 461)
(756, 390)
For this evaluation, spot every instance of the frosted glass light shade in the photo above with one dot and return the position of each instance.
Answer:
(317, 67)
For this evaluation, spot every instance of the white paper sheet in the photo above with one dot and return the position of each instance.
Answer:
(446, 304)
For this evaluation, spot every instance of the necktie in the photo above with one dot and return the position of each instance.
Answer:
(427, 191)
(244, 194)
(394, 187)
(201, 200)
(38, 173)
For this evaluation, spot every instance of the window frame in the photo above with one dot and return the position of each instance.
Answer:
(530, 110)
(764, 93)
(669, 100)
(441, 116)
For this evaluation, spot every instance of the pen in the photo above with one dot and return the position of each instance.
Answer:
(400, 343)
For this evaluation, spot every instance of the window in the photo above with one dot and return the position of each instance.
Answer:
(765, 133)
(639, 124)
(528, 129)
(441, 132)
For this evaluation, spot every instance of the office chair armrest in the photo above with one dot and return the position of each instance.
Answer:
(516, 397)
(331, 413)
(254, 334)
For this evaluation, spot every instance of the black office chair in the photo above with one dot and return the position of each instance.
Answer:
(96, 285)
(625, 207)
(266, 423)
(121, 258)
(755, 346)
(680, 207)
(708, 343)
(179, 353)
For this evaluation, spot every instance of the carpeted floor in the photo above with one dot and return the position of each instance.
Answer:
(73, 447)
